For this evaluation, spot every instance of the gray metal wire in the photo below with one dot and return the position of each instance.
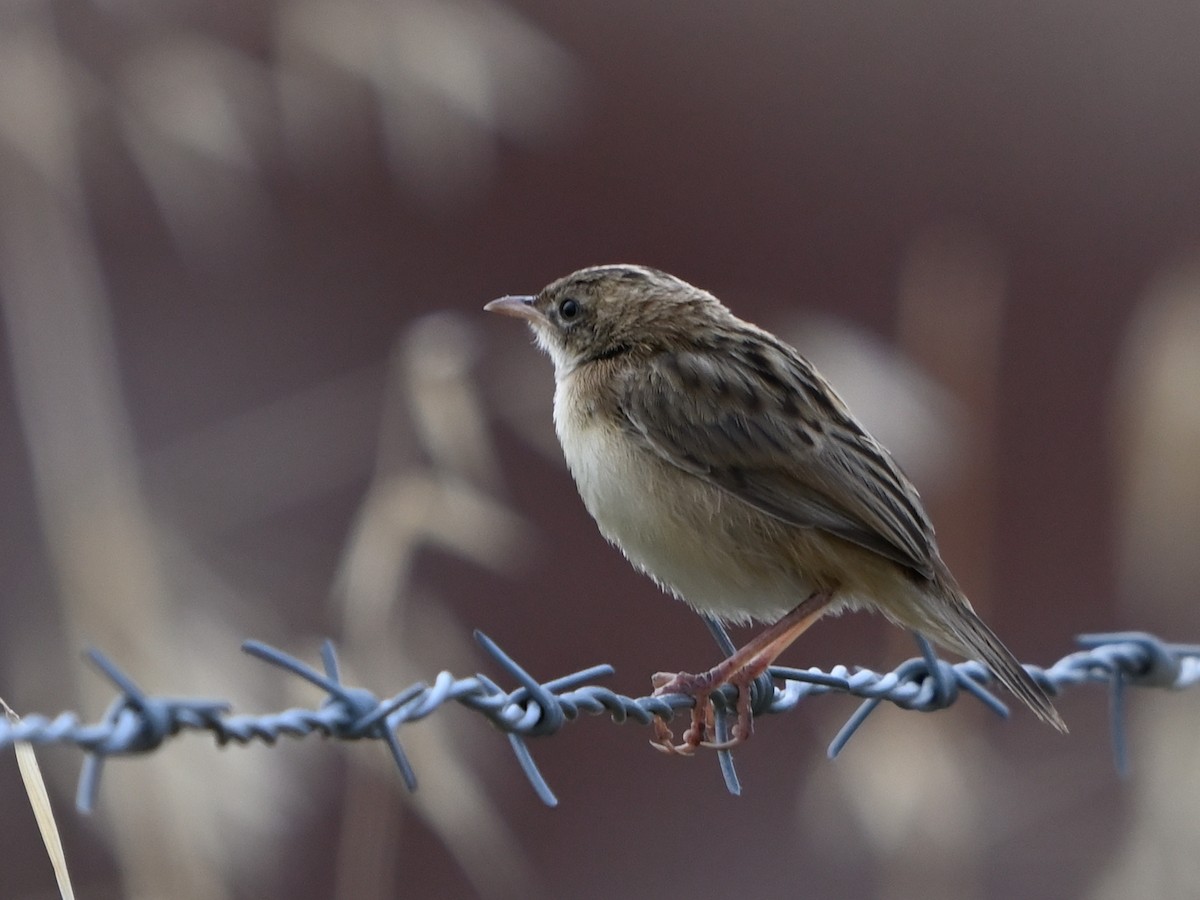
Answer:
(137, 722)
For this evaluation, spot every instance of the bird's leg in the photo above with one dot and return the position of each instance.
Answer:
(740, 669)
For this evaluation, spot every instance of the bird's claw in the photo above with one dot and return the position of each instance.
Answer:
(664, 741)
(702, 731)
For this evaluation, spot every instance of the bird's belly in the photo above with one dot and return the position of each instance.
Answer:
(696, 541)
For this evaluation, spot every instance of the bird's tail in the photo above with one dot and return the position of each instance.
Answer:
(964, 632)
(961, 630)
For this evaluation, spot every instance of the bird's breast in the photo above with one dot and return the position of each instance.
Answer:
(703, 545)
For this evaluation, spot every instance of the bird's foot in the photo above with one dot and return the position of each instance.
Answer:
(701, 732)
(739, 670)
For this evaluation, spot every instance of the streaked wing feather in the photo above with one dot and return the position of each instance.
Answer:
(753, 418)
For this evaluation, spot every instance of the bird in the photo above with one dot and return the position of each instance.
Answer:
(728, 470)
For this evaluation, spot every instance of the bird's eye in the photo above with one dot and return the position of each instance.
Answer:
(569, 308)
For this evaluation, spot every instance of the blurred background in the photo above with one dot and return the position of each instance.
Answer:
(247, 390)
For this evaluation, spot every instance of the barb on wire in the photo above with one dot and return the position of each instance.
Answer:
(139, 723)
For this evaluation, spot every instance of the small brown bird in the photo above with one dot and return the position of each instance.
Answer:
(725, 467)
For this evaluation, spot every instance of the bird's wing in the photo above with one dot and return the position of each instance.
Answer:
(755, 419)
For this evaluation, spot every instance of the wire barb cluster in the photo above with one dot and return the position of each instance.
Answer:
(139, 723)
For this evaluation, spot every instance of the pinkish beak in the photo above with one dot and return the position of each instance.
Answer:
(518, 306)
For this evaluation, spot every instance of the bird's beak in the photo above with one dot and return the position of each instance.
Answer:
(518, 306)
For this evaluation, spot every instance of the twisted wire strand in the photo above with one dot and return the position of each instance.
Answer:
(137, 722)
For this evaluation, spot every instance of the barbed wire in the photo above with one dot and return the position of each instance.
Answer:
(137, 722)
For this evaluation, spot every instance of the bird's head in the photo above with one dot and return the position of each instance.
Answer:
(605, 311)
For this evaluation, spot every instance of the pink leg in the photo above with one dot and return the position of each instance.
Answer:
(739, 670)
